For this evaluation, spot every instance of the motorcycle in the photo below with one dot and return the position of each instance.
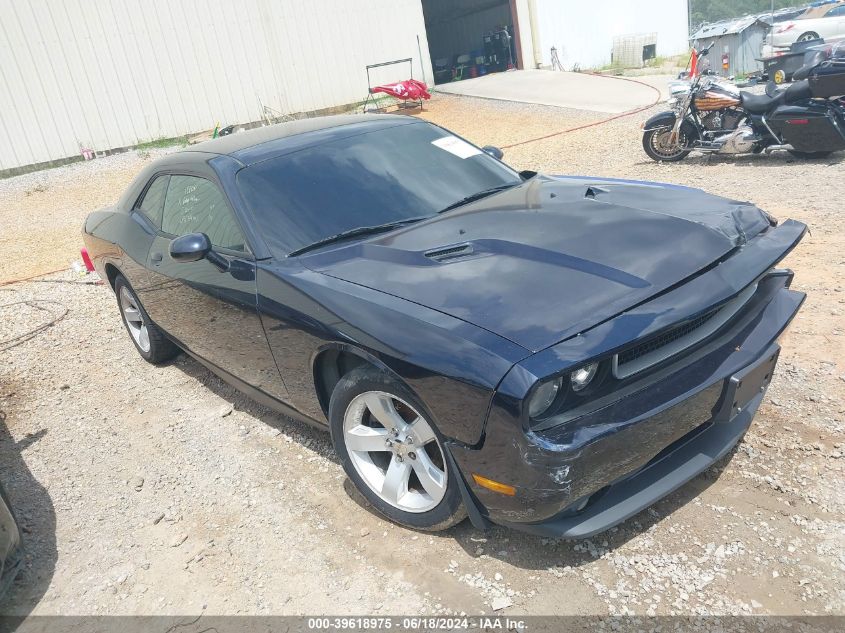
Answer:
(711, 115)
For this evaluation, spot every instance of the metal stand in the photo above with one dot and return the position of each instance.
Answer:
(556, 65)
(418, 103)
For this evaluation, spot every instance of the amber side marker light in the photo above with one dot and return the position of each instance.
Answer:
(495, 486)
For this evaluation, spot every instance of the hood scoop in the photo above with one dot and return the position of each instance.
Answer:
(449, 253)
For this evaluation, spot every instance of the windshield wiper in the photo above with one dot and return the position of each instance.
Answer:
(356, 232)
(478, 196)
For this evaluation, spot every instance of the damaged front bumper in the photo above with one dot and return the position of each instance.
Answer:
(672, 467)
(589, 474)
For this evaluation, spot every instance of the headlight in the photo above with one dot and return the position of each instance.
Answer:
(544, 396)
(581, 378)
(562, 394)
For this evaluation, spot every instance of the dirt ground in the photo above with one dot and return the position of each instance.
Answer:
(148, 489)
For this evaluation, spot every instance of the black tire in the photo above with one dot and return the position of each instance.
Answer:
(449, 511)
(654, 154)
(809, 155)
(161, 348)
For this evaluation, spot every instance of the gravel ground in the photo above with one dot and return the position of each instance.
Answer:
(162, 490)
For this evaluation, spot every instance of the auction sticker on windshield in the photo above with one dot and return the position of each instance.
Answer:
(456, 146)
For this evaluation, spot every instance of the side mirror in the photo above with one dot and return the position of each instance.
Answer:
(495, 152)
(194, 247)
(190, 248)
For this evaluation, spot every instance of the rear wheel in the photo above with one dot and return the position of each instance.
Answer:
(809, 155)
(150, 342)
(808, 36)
(659, 146)
(391, 451)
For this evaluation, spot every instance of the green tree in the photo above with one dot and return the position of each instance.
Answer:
(702, 11)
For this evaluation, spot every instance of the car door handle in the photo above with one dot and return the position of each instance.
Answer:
(156, 258)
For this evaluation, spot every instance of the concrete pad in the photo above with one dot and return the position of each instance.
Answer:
(563, 89)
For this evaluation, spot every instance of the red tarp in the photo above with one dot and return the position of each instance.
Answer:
(408, 89)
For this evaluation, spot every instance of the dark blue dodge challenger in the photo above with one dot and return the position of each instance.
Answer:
(548, 353)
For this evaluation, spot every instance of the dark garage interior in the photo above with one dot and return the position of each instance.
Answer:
(470, 38)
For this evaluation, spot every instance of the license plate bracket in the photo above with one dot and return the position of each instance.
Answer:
(746, 384)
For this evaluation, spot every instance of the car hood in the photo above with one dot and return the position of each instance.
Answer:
(550, 258)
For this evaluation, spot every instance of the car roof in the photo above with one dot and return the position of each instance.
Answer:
(819, 12)
(257, 144)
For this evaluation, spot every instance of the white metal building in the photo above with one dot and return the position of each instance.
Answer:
(107, 74)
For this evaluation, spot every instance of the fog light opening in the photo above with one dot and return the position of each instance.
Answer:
(581, 378)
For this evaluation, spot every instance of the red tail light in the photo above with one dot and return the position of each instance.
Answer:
(798, 121)
(86, 259)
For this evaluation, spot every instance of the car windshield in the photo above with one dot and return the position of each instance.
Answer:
(409, 171)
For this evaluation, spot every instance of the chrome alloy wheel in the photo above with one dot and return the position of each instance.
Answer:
(395, 451)
(665, 147)
(134, 320)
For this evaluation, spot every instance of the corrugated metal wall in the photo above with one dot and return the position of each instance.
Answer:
(742, 48)
(103, 74)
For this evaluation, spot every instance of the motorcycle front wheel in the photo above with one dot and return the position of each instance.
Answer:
(658, 145)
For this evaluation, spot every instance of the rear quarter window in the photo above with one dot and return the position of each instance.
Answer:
(152, 204)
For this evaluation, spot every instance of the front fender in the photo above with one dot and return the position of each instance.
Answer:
(452, 366)
(660, 121)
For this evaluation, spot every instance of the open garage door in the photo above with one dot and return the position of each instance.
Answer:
(470, 38)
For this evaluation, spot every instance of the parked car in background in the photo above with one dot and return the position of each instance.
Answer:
(818, 22)
(10, 544)
(552, 354)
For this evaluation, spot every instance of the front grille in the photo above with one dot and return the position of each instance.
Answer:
(677, 339)
(667, 337)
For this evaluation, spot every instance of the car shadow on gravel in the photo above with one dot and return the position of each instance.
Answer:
(510, 546)
(36, 518)
(537, 553)
(308, 435)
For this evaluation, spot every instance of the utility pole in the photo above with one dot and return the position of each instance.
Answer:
(772, 25)
(689, 19)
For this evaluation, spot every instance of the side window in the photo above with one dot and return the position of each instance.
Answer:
(196, 205)
(838, 11)
(152, 205)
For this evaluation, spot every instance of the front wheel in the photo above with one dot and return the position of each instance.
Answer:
(392, 453)
(809, 155)
(659, 146)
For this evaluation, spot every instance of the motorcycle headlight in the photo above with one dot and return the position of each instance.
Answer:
(543, 397)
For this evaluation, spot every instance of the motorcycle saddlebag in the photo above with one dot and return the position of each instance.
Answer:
(815, 128)
(828, 80)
